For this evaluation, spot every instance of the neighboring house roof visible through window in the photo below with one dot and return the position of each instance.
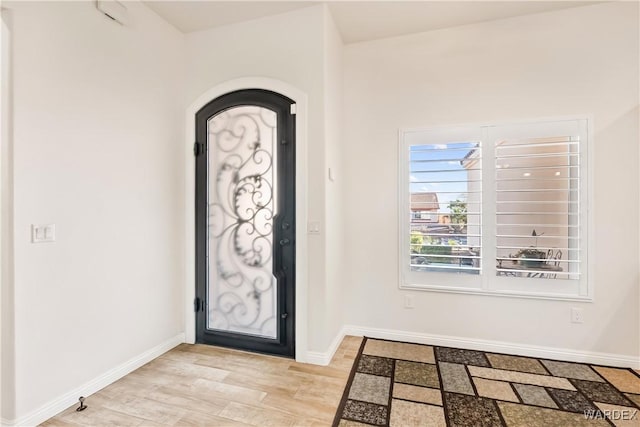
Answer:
(424, 202)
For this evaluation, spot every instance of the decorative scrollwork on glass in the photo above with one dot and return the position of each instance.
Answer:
(242, 149)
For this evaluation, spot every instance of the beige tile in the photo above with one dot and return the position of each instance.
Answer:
(516, 363)
(57, 423)
(94, 414)
(310, 422)
(245, 363)
(325, 371)
(495, 389)
(405, 414)
(350, 342)
(181, 368)
(516, 415)
(397, 350)
(192, 384)
(148, 410)
(97, 400)
(200, 419)
(127, 386)
(635, 398)
(299, 407)
(266, 382)
(181, 355)
(349, 423)
(98, 416)
(521, 377)
(622, 379)
(217, 400)
(176, 397)
(320, 391)
(417, 394)
(620, 416)
(228, 391)
(257, 416)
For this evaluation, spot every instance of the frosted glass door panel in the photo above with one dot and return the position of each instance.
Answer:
(242, 294)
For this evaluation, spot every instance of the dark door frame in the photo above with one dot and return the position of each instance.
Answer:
(284, 223)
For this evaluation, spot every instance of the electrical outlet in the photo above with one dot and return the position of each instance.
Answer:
(577, 316)
(408, 301)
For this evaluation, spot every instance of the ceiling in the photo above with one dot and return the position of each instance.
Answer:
(356, 20)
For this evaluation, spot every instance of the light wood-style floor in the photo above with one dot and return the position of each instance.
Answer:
(198, 385)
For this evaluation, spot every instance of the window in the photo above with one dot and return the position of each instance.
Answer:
(496, 209)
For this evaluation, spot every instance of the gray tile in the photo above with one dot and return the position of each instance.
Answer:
(370, 388)
(516, 363)
(422, 374)
(571, 370)
(455, 378)
(458, 355)
(534, 395)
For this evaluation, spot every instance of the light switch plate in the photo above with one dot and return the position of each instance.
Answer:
(43, 233)
(313, 227)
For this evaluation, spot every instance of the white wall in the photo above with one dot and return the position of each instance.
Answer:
(576, 61)
(334, 207)
(289, 48)
(97, 151)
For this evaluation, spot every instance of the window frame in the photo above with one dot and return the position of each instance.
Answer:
(487, 282)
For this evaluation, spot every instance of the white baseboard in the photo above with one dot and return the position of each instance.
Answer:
(620, 360)
(324, 358)
(61, 403)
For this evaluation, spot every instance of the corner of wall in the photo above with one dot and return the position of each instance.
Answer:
(7, 320)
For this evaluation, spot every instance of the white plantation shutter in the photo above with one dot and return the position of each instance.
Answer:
(499, 209)
(442, 206)
(538, 200)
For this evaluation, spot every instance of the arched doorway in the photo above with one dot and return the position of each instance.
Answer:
(245, 222)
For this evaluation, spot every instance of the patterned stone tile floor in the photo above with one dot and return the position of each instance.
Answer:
(402, 384)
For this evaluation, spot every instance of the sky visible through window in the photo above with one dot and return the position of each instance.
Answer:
(438, 168)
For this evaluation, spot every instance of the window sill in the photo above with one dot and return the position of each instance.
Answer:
(497, 293)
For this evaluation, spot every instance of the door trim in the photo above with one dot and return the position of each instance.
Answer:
(301, 276)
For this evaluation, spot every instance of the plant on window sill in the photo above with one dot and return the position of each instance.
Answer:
(531, 257)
